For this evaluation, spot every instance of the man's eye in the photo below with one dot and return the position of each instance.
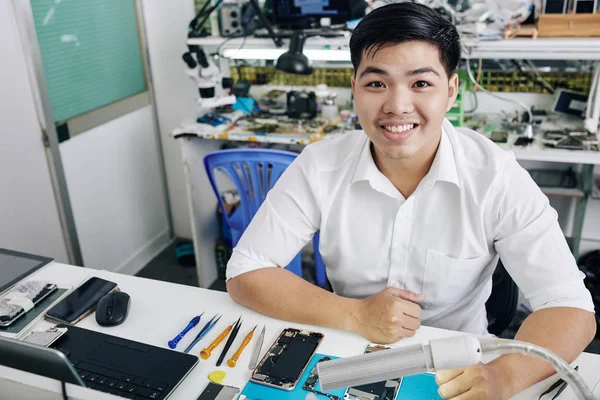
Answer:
(376, 85)
(421, 84)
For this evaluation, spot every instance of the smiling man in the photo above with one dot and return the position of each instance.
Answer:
(413, 216)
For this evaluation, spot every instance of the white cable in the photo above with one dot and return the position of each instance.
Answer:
(564, 370)
(528, 129)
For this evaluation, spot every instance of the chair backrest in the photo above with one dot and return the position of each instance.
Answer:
(501, 306)
(253, 172)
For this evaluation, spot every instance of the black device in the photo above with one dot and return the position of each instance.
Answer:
(288, 15)
(37, 360)
(556, 6)
(301, 104)
(285, 361)
(585, 6)
(81, 302)
(15, 266)
(112, 309)
(123, 367)
(237, 19)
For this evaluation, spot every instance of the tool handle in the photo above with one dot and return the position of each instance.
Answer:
(173, 343)
(233, 360)
(205, 353)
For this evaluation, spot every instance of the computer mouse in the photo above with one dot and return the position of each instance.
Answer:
(112, 309)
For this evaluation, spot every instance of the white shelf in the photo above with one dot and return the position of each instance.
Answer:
(532, 49)
(563, 192)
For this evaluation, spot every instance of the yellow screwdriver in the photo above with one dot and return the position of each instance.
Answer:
(233, 360)
(205, 353)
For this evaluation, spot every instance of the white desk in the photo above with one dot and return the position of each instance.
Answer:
(160, 310)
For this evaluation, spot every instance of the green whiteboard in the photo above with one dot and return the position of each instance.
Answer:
(90, 52)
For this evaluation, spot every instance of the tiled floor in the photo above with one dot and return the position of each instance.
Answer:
(164, 267)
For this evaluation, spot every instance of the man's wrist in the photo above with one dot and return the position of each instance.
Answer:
(351, 315)
(503, 371)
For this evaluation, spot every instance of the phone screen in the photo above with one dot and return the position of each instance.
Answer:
(82, 300)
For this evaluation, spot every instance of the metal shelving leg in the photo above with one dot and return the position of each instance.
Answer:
(587, 177)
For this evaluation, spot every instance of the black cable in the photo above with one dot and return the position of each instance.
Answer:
(64, 390)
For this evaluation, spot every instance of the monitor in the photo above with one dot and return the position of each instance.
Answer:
(303, 14)
(569, 102)
(15, 266)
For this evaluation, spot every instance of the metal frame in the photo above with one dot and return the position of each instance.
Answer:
(26, 24)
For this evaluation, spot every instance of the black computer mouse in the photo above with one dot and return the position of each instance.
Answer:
(112, 309)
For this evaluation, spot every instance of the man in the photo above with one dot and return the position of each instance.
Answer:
(413, 216)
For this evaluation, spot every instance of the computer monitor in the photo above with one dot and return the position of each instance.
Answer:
(37, 360)
(303, 14)
(569, 102)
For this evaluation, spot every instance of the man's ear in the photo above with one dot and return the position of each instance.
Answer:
(352, 83)
(453, 83)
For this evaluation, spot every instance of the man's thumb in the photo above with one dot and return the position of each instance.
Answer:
(405, 294)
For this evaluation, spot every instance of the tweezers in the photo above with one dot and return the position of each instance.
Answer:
(205, 329)
(561, 383)
(230, 339)
(257, 348)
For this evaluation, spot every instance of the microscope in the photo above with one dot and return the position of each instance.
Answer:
(212, 87)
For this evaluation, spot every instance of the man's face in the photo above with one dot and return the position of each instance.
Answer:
(402, 95)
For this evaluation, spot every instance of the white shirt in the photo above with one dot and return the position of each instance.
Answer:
(475, 204)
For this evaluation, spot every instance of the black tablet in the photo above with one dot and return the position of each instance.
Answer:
(15, 266)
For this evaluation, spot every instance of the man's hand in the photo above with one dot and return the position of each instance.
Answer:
(477, 382)
(388, 316)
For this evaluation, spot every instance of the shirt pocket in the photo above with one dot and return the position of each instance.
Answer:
(448, 280)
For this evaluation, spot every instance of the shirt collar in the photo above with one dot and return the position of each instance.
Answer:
(443, 167)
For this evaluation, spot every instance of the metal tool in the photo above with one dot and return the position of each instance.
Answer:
(234, 332)
(233, 360)
(205, 353)
(190, 325)
(257, 348)
(209, 325)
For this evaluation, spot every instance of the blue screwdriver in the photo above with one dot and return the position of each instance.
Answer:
(209, 325)
(193, 323)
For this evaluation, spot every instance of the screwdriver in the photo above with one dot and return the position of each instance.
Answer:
(205, 353)
(233, 360)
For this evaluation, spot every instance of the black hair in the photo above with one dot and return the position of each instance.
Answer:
(402, 22)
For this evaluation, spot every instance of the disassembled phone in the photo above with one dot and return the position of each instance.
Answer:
(8, 318)
(384, 390)
(313, 379)
(285, 361)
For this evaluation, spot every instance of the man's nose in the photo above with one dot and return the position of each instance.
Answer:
(399, 102)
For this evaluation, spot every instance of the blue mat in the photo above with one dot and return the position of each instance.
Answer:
(416, 387)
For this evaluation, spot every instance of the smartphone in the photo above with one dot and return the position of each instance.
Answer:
(285, 361)
(81, 302)
(48, 289)
(384, 390)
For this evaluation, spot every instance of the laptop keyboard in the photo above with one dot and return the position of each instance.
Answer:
(119, 383)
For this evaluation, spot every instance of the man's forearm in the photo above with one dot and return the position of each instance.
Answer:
(563, 330)
(281, 294)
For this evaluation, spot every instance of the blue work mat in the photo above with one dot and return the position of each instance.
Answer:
(254, 391)
(416, 387)
(419, 387)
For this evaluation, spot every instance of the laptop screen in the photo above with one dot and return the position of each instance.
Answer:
(15, 266)
(300, 14)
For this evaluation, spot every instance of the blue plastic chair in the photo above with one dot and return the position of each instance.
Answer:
(254, 172)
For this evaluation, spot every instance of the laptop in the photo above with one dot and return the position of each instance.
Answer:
(110, 364)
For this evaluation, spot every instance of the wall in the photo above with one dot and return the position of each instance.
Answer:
(29, 219)
(113, 177)
(175, 95)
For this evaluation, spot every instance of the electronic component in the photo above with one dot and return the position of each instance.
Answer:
(285, 361)
(556, 6)
(215, 391)
(312, 380)
(384, 390)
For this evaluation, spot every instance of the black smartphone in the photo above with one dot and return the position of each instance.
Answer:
(287, 359)
(384, 390)
(81, 302)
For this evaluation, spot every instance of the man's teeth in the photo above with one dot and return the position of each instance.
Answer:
(399, 128)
